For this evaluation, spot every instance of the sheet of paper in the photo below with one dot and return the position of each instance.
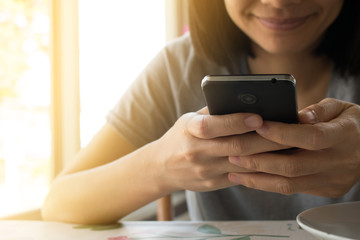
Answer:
(234, 230)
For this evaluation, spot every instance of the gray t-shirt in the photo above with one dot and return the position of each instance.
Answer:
(169, 87)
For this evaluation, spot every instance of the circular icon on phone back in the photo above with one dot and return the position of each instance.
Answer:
(247, 98)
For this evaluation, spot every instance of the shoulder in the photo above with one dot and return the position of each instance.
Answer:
(180, 54)
(174, 55)
(178, 62)
(179, 51)
(345, 87)
(180, 45)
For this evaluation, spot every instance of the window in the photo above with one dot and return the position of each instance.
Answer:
(25, 135)
(116, 40)
(45, 45)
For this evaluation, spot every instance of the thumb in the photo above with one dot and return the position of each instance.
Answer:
(324, 111)
(203, 111)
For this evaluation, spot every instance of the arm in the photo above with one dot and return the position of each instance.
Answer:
(88, 190)
(109, 178)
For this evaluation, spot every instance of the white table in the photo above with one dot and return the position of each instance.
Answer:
(244, 230)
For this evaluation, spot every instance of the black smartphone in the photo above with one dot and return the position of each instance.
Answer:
(272, 96)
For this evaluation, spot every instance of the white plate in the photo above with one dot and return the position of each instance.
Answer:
(332, 222)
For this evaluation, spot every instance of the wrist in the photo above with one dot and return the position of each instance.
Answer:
(160, 175)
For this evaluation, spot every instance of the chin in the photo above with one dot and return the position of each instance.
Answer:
(281, 51)
(281, 48)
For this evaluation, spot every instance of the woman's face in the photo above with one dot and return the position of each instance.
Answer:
(284, 26)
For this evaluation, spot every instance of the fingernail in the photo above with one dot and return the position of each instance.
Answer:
(235, 178)
(309, 116)
(235, 160)
(263, 130)
(253, 122)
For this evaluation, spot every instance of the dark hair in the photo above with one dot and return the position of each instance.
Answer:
(216, 37)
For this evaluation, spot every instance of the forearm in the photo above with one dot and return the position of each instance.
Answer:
(191, 155)
(106, 193)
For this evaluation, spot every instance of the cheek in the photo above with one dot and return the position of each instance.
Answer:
(330, 13)
(239, 10)
(331, 10)
(336, 9)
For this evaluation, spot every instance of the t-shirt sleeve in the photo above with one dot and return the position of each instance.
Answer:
(147, 109)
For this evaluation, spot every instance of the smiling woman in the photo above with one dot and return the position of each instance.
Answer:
(285, 26)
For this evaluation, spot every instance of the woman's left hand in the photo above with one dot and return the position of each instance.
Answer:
(326, 158)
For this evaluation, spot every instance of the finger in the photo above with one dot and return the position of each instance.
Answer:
(223, 166)
(211, 126)
(204, 111)
(306, 136)
(217, 183)
(335, 186)
(208, 168)
(241, 145)
(323, 111)
(294, 163)
(205, 185)
(277, 184)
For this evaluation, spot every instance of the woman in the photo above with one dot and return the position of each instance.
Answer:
(160, 139)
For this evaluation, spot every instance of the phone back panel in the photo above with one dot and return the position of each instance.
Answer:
(273, 100)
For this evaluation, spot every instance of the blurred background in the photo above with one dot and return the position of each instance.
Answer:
(63, 66)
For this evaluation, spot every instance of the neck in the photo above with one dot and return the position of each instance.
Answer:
(305, 67)
(312, 73)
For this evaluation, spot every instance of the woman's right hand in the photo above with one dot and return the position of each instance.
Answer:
(111, 175)
(193, 154)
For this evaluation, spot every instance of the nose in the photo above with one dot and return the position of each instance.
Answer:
(280, 3)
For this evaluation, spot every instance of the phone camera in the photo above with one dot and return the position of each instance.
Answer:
(247, 98)
(273, 80)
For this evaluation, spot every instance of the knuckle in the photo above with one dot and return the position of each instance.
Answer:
(321, 109)
(349, 125)
(316, 138)
(283, 136)
(202, 127)
(238, 145)
(291, 169)
(353, 125)
(285, 187)
(355, 109)
(185, 119)
(210, 184)
(250, 182)
(201, 172)
(229, 123)
(189, 152)
(253, 163)
(195, 124)
(190, 157)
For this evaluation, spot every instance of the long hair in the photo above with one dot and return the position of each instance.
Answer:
(216, 37)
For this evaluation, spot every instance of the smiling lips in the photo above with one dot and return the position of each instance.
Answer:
(282, 24)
